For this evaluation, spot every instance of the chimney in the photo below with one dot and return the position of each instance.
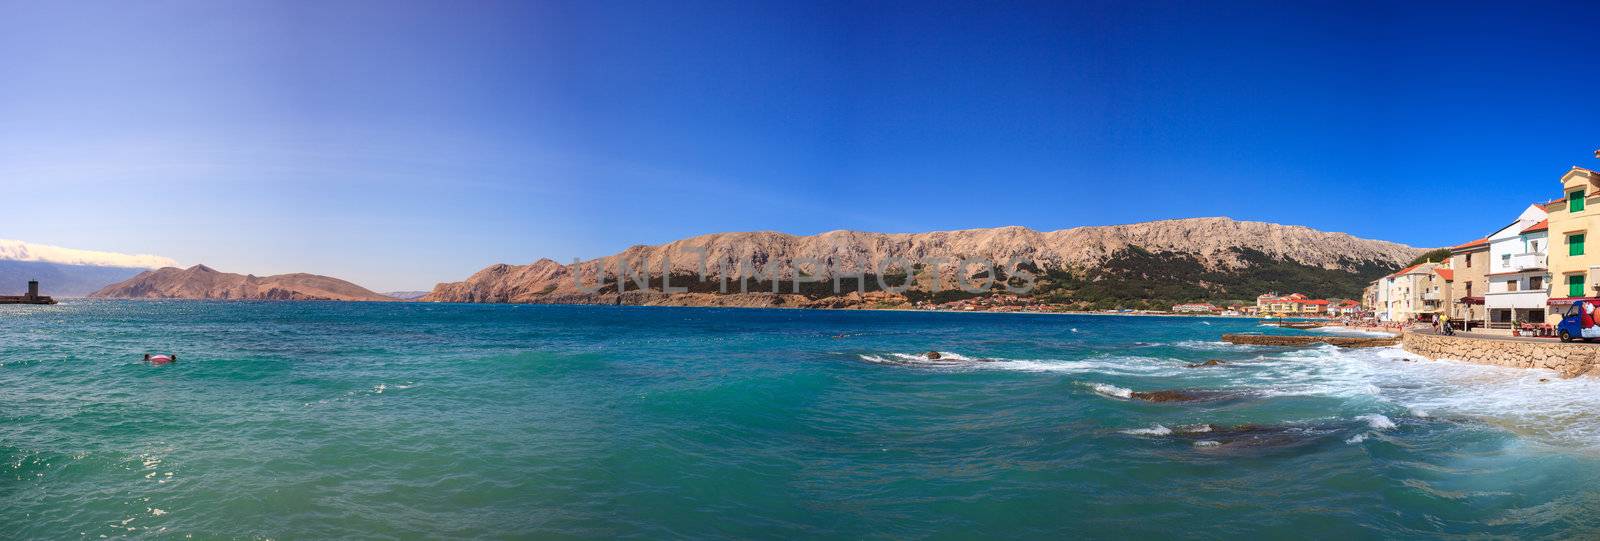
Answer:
(33, 289)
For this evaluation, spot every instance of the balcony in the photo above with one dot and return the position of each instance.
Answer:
(1521, 262)
(1430, 296)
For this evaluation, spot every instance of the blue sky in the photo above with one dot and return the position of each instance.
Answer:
(399, 144)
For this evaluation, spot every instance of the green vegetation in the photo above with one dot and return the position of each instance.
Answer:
(1431, 256)
(1141, 279)
(1133, 278)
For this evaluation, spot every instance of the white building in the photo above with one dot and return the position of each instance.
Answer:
(1194, 308)
(1518, 275)
(1380, 309)
(1413, 293)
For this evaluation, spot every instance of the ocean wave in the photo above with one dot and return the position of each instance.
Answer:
(1123, 365)
(1154, 430)
(1212, 345)
(1530, 402)
(1110, 390)
(1377, 421)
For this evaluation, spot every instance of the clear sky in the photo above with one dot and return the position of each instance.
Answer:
(398, 144)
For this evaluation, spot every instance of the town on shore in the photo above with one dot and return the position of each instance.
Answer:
(1510, 281)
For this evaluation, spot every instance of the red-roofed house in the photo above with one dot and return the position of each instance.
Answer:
(1461, 294)
(1312, 307)
(1410, 294)
(1344, 308)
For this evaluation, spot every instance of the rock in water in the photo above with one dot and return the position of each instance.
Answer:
(1163, 396)
(1279, 340)
(1181, 396)
(1212, 362)
(932, 355)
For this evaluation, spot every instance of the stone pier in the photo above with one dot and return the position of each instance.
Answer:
(1568, 359)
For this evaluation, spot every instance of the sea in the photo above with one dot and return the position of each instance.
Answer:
(324, 420)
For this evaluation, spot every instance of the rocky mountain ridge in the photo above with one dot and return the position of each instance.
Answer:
(1215, 245)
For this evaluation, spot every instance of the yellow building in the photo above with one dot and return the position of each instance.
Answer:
(1574, 267)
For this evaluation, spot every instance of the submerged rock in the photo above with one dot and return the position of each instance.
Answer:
(1255, 438)
(932, 355)
(1178, 395)
(1211, 362)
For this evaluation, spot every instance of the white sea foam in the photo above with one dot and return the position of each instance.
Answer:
(1530, 402)
(1154, 430)
(1195, 429)
(1377, 421)
(1207, 443)
(1358, 438)
(1211, 345)
(1109, 390)
(1104, 364)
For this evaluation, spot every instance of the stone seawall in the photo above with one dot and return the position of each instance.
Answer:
(1568, 359)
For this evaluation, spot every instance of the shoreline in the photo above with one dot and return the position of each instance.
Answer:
(917, 310)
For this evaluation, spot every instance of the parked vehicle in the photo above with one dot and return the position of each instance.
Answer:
(1579, 322)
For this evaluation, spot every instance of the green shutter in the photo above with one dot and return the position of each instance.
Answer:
(1575, 285)
(1575, 201)
(1575, 244)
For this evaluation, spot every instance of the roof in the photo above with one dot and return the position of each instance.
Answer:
(1448, 274)
(1543, 225)
(1407, 269)
(1348, 302)
(1480, 242)
(1314, 301)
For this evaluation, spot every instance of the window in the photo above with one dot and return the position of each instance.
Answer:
(1469, 261)
(1575, 201)
(1469, 289)
(1505, 260)
(1575, 285)
(1511, 285)
(1533, 246)
(1535, 283)
(1575, 244)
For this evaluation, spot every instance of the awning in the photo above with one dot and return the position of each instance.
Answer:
(1570, 300)
(1471, 300)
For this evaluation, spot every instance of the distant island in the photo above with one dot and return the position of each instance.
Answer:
(202, 282)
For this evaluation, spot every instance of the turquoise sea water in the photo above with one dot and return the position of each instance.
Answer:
(297, 420)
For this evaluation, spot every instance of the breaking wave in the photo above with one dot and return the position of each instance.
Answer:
(1154, 430)
(1379, 384)
(1123, 365)
(1377, 421)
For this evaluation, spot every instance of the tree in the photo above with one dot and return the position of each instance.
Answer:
(1437, 255)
